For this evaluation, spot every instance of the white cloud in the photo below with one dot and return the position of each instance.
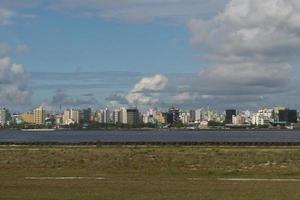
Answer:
(147, 90)
(13, 83)
(251, 44)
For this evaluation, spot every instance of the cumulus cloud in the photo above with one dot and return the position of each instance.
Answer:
(64, 99)
(147, 90)
(117, 99)
(250, 46)
(13, 83)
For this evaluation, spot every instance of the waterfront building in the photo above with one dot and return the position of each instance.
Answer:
(198, 116)
(262, 117)
(239, 119)
(16, 119)
(275, 114)
(133, 116)
(27, 117)
(123, 115)
(86, 115)
(192, 116)
(116, 116)
(287, 116)
(71, 116)
(228, 117)
(106, 116)
(160, 118)
(184, 117)
(145, 118)
(4, 116)
(173, 115)
(39, 115)
(98, 117)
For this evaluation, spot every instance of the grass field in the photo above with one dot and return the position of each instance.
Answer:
(149, 173)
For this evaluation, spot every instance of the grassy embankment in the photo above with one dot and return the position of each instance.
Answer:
(153, 172)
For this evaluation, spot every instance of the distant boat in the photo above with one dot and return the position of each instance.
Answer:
(39, 130)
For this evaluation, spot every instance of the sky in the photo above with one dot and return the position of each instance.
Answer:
(149, 53)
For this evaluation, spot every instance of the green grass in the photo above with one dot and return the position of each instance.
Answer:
(148, 172)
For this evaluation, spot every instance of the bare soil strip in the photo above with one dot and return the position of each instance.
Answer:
(250, 179)
(259, 179)
(64, 178)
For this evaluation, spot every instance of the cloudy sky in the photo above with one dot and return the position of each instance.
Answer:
(189, 53)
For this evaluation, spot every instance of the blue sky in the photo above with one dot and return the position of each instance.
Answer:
(191, 53)
(59, 42)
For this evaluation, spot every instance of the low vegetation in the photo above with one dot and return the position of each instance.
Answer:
(148, 172)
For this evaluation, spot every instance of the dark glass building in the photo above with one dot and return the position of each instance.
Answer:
(288, 116)
(228, 117)
(86, 115)
(173, 116)
(133, 117)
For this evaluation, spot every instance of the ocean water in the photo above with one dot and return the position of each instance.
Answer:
(150, 136)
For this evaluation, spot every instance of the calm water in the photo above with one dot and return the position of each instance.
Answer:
(150, 136)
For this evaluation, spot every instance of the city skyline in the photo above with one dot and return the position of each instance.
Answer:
(229, 53)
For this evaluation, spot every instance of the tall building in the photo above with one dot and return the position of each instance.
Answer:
(39, 115)
(117, 116)
(99, 116)
(123, 115)
(71, 116)
(184, 117)
(86, 115)
(4, 116)
(173, 115)
(275, 115)
(106, 116)
(75, 115)
(198, 115)
(287, 116)
(192, 116)
(133, 116)
(262, 117)
(67, 117)
(228, 116)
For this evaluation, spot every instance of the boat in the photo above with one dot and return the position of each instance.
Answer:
(39, 130)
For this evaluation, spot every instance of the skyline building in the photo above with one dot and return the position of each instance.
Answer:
(123, 115)
(228, 115)
(133, 116)
(86, 115)
(39, 115)
(4, 116)
(71, 116)
(173, 115)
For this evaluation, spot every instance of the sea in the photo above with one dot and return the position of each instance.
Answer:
(81, 136)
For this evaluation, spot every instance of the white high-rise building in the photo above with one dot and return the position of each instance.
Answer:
(123, 115)
(262, 117)
(116, 116)
(198, 115)
(71, 116)
(184, 117)
(39, 115)
(75, 115)
(106, 116)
